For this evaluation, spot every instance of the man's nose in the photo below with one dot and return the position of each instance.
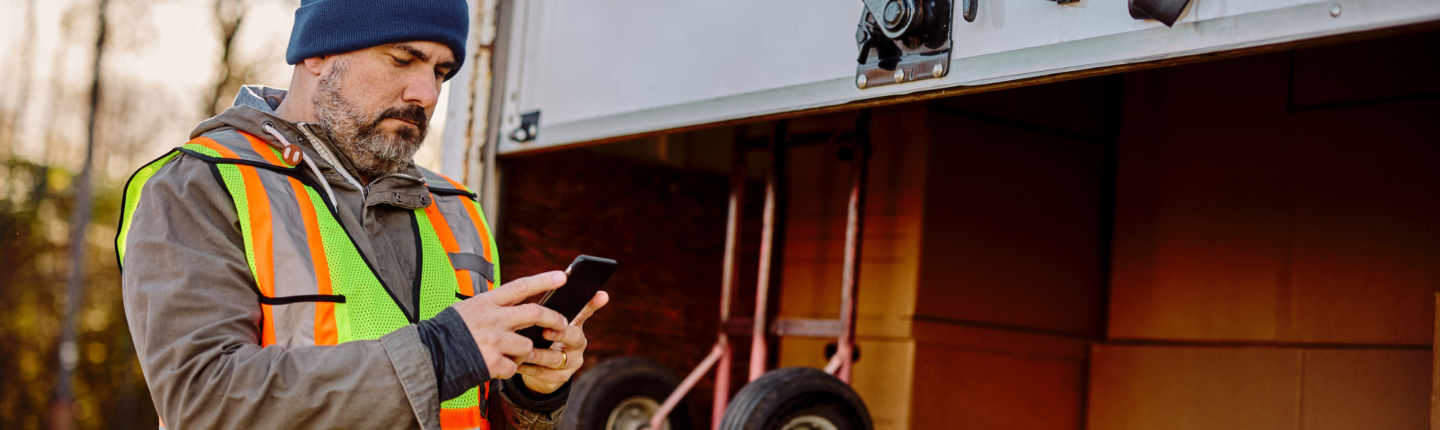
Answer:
(424, 92)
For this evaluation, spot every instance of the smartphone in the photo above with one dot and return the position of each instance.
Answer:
(584, 278)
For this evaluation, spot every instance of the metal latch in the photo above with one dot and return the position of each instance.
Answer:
(528, 129)
(905, 40)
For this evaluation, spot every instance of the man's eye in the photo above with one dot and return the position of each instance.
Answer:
(400, 62)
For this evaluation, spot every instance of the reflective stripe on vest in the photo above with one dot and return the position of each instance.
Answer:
(314, 286)
(462, 229)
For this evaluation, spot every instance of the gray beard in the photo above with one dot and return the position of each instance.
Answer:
(358, 136)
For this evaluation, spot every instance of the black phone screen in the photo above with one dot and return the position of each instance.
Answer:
(584, 277)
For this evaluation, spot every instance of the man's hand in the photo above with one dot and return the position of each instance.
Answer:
(546, 370)
(494, 316)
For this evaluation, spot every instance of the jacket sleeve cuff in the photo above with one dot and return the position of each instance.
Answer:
(417, 376)
(457, 361)
(521, 417)
(522, 397)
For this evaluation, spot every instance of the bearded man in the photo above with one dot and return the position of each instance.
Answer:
(291, 267)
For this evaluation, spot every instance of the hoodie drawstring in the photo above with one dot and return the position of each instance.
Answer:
(318, 177)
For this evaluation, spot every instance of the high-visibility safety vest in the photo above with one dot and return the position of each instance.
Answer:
(314, 285)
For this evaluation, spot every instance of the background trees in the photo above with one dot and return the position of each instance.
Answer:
(136, 75)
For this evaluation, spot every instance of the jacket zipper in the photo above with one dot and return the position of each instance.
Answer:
(329, 157)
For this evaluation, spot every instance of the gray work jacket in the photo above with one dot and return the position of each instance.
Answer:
(194, 315)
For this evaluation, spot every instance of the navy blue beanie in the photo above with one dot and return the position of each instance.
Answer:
(325, 27)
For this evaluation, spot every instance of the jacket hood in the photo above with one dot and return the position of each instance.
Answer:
(255, 106)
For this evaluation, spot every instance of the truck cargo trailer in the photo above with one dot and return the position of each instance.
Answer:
(1008, 214)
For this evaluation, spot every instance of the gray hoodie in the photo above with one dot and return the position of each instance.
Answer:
(191, 304)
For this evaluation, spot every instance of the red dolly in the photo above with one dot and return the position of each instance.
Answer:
(788, 399)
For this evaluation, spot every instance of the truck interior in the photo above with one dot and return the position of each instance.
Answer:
(1244, 242)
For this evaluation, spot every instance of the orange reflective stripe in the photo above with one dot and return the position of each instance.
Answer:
(325, 331)
(264, 149)
(447, 241)
(484, 236)
(462, 277)
(215, 146)
(262, 239)
(442, 228)
(460, 419)
(479, 225)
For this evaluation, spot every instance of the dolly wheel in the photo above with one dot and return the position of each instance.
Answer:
(622, 393)
(797, 398)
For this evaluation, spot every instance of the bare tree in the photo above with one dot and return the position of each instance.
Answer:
(233, 72)
(69, 351)
(27, 51)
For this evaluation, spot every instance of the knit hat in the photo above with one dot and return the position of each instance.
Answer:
(325, 27)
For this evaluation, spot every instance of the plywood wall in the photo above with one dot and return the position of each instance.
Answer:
(1256, 387)
(1013, 258)
(1274, 264)
(1014, 228)
(1435, 373)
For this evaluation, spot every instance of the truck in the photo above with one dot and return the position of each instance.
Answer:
(896, 214)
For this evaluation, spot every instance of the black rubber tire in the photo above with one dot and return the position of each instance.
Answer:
(784, 394)
(599, 390)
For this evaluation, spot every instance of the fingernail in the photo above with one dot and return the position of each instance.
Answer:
(558, 278)
(549, 335)
(532, 356)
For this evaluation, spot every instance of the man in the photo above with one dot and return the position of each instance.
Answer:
(290, 266)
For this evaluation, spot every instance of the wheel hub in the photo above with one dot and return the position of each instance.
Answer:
(634, 413)
(809, 422)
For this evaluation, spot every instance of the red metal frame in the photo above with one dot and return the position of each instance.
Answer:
(854, 232)
(728, 277)
(841, 364)
(759, 350)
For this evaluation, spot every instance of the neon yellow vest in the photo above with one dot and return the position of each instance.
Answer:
(314, 286)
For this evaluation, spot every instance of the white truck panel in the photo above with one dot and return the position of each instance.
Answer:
(598, 70)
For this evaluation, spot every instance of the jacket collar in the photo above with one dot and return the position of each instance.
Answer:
(255, 106)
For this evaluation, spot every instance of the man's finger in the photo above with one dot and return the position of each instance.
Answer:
(523, 316)
(551, 358)
(504, 369)
(534, 370)
(515, 345)
(599, 301)
(518, 290)
(572, 337)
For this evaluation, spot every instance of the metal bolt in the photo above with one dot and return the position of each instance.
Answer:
(861, 35)
(519, 135)
(892, 12)
(938, 70)
(1335, 11)
(899, 75)
(534, 130)
(860, 81)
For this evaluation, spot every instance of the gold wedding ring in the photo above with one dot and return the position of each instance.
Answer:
(564, 359)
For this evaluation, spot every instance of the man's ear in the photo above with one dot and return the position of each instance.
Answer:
(316, 65)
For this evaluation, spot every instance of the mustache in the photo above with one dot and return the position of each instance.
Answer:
(411, 113)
